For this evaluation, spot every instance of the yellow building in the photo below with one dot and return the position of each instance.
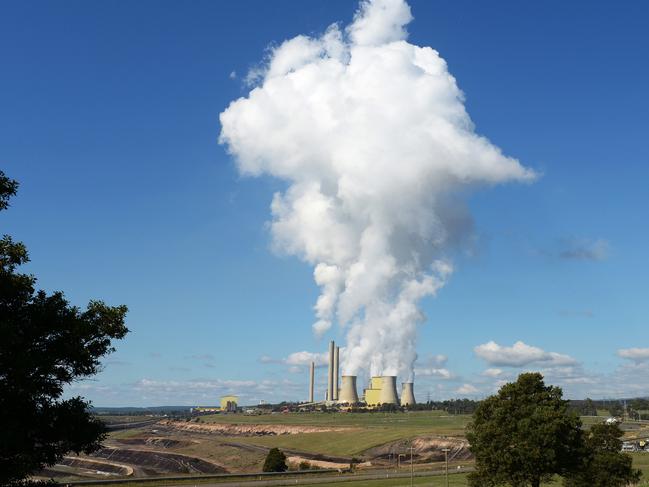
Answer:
(229, 403)
(373, 392)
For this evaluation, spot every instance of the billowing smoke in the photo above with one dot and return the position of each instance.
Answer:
(371, 136)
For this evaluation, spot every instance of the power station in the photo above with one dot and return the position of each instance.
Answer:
(381, 389)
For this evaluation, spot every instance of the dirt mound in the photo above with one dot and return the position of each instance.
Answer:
(425, 449)
(160, 462)
(247, 429)
(155, 441)
(296, 460)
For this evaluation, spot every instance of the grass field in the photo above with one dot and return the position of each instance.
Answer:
(641, 461)
(337, 419)
(366, 430)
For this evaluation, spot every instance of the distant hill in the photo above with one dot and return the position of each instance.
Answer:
(128, 410)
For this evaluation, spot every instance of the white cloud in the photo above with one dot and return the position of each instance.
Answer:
(380, 22)
(207, 392)
(635, 354)
(298, 359)
(519, 355)
(432, 372)
(467, 389)
(305, 358)
(493, 372)
(372, 138)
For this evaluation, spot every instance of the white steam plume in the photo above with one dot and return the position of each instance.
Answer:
(371, 135)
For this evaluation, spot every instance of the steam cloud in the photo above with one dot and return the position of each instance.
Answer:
(372, 137)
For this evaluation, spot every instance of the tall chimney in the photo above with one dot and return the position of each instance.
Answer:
(311, 377)
(330, 380)
(388, 390)
(336, 373)
(407, 394)
(348, 392)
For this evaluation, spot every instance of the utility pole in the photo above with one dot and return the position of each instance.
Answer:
(399, 460)
(446, 450)
(412, 471)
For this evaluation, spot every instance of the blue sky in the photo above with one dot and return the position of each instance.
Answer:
(109, 117)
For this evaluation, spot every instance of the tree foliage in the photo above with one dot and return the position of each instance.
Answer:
(45, 344)
(275, 461)
(603, 465)
(524, 435)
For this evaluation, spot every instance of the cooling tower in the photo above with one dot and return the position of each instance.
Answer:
(348, 390)
(336, 373)
(311, 377)
(389, 390)
(407, 394)
(330, 380)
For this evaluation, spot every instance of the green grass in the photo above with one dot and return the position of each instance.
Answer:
(641, 461)
(366, 430)
(331, 419)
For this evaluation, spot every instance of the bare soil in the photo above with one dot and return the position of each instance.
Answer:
(246, 429)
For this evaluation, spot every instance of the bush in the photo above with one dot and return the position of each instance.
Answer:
(275, 461)
(304, 465)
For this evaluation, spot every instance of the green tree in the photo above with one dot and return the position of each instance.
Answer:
(616, 410)
(45, 344)
(275, 461)
(604, 465)
(524, 435)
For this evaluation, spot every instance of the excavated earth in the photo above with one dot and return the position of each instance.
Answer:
(246, 429)
(425, 449)
(156, 442)
(155, 462)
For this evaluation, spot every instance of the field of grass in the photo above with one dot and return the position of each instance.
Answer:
(641, 461)
(118, 418)
(367, 430)
(332, 419)
(455, 480)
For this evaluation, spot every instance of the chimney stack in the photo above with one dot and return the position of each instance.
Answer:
(336, 373)
(348, 392)
(407, 394)
(330, 380)
(311, 377)
(388, 393)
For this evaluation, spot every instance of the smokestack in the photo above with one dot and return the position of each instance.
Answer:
(336, 373)
(348, 392)
(389, 390)
(407, 394)
(330, 381)
(311, 377)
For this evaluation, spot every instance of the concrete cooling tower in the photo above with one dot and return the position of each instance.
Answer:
(348, 392)
(389, 390)
(407, 394)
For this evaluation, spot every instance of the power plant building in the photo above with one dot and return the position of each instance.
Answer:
(372, 394)
(229, 403)
(381, 389)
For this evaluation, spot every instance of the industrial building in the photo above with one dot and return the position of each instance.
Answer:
(229, 404)
(381, 389)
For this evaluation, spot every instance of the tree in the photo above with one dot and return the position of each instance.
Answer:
(45, 344)
(616, 410)
(603, 465)
(275, 461)
(524, 435)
